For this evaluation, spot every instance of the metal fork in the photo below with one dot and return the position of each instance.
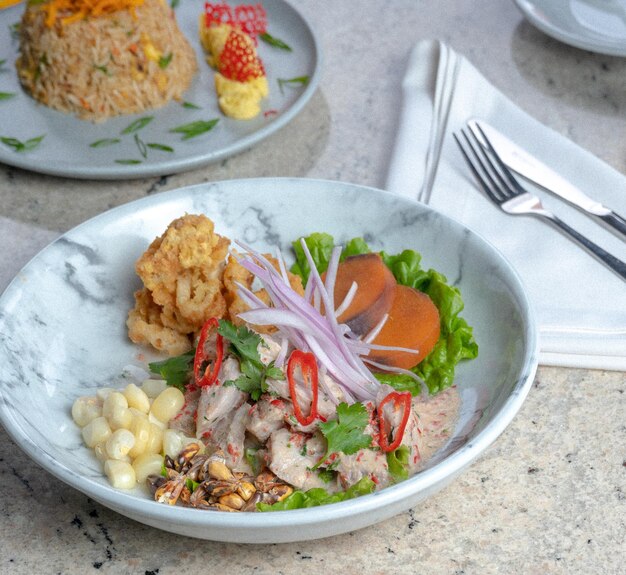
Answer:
(505, 191)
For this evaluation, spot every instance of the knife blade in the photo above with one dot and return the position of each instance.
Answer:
(534, 170)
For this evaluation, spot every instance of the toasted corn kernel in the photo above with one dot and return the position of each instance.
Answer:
(232, 500)
(217, 489)
(246, 490)
(220, 470)
(282, 491)
(169, 492)
(221, 507)
(190, 450)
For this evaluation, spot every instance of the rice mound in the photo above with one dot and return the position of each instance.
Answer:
(104, 66)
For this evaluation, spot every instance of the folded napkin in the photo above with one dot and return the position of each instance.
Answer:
(579, 303)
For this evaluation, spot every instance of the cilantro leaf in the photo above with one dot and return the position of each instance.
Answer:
(345, 434)
(244, 344)
(174, 370)
(243, 341)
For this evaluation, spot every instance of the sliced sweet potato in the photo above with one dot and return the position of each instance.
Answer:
(375, 293)
(413, 323)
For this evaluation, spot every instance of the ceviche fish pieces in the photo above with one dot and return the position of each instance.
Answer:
(285, 388)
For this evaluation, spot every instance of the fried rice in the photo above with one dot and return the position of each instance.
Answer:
(98, 66)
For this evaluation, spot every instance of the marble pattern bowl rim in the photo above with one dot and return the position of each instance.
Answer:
(399, 496)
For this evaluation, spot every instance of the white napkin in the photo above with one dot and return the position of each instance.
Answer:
(580, 304)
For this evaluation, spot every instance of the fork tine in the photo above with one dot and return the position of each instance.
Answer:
(505, 190)
(503, 168)
(478, 168)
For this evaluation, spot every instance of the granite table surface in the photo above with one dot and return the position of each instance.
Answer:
(549, 496)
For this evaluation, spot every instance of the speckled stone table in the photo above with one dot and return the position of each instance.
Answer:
(548, 497)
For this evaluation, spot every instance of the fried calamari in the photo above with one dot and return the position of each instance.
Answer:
(182, 275)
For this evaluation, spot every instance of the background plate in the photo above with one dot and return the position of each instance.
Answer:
(63, 334)
(596, 25)
(65, 149)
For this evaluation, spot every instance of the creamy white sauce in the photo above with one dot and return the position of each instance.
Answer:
(437, 418)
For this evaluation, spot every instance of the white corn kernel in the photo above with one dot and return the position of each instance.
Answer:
(100, 451)
(85, 409)
(120, 443)
(137, 398)
(155, 441)
(172, 442)
(168, 403)
(120, 473)
(147, 464)
(162, 424)
(102, 455)
(137, 413)
(103, 392)
(152, 387)
(120, 418)
(96, 431)
(140, 428)
(113, 400)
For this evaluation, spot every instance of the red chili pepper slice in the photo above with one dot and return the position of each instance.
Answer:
(308, 367)
(397, 400)
(207, 375)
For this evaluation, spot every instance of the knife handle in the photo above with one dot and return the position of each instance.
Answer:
(616, 221)
(617, 265)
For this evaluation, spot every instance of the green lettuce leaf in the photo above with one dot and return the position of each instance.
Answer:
(319, 496)
(321, 246)
(456, 341)
(398, 463)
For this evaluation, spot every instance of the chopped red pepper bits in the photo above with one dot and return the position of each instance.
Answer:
(205, 371)
(397, 401)
(307, 365)
(238, 59)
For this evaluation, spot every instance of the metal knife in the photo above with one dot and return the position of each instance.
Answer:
(526, 165)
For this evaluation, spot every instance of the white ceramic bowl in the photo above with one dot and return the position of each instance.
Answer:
(62, 334)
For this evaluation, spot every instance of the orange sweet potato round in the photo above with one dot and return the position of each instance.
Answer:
(413, 323)
(374, 296)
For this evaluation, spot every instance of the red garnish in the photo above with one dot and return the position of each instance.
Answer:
(238, 60)
(308, 367)
(219, 13)
(268, 113)
(204, 370)
(251, 18)
(397, 401)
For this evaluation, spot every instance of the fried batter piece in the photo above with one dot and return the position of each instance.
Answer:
(182, 275)
(235, 273)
